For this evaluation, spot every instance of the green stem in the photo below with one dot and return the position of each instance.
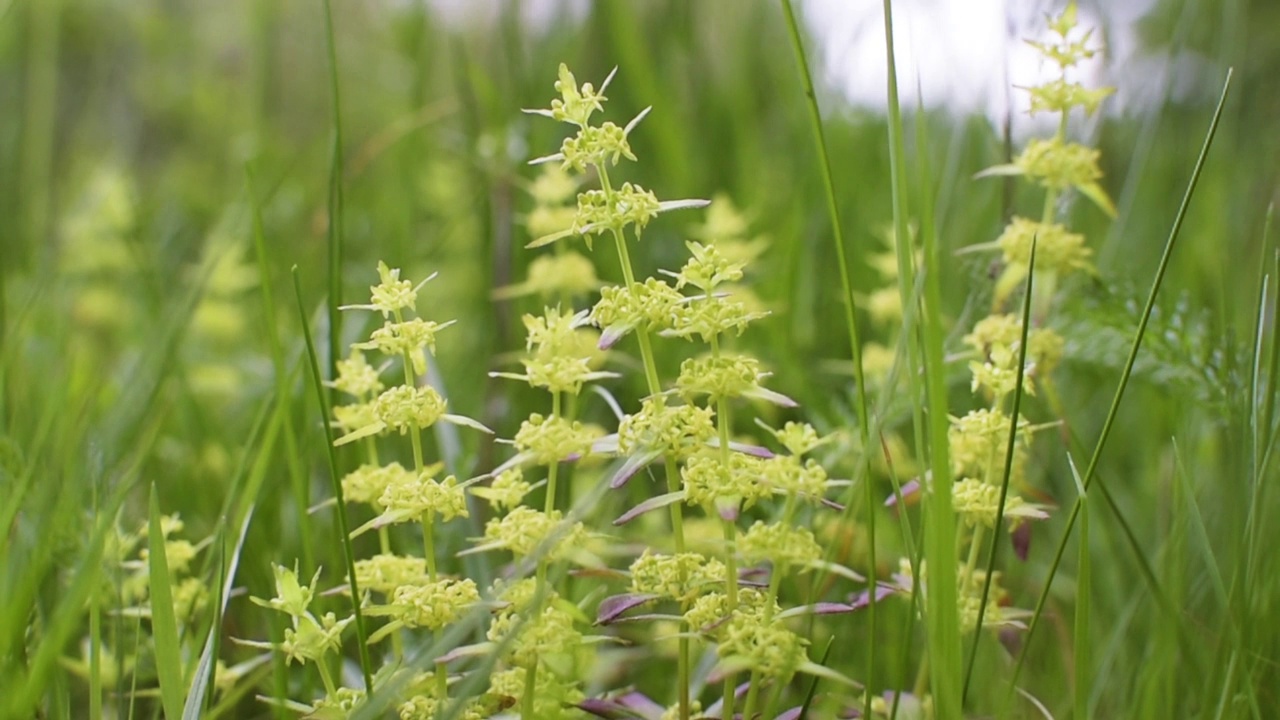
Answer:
(325, 675)
(530, 683)
(669, 461)
(550, 504)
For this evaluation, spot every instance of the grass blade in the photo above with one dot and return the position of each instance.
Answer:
(942, 618)
(164, 625)
(851, 323)
(340, 507)
(1124, 379)
(1081, 653)
(334, 232)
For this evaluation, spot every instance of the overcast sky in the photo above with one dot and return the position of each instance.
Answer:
(965, 53)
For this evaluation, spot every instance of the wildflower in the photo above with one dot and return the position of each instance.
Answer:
(507, 489)
(787, 475)
(559, 360)
(430, 605)
(978, 502)
(725, 377)
(780, 544)
(523, 529)
(415, 496)
(392, 294)
(547, 440)
(665, 429)
(707, 268)
(680, 577)
(710, 482)
(368, 482)
(356, 377)
(406, 338)
(712, 319)
(406, 408)
(568, 273)
(292, 598)
(652, 306)
(1057, 250)
(385, 572)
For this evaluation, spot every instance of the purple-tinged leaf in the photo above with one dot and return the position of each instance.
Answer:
(607, 445)
(613, 607)
(832, 504)
(883, 590)
(649, 617)
(1021, 538)
(652, 503)
(909, 490)
(610, 335)
(792, 714)
(631, 466)
(777, 398)
(632, 705)
(745, 448)
(728, 508)
(822, 608)
(835, 569)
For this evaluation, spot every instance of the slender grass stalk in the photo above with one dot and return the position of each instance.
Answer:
(1018, 391)
(942, 615)
(334, 232)
(340, 507)
(1126, 373)
(851, 326)
(164, 626)
(1081, 649)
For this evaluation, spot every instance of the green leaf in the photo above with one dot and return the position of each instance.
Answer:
(1094, 192)
(164, 626)
(999, 171)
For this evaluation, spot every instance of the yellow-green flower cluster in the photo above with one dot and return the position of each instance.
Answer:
(780, 544)
(704, 467)
(670, 429)
(681, 577)
(309, 638)
(416, 496)
(524, 529)
(1057, 165)
(709, 482)
(189, 594)
(547, 440)
(507, 489)
(383, 573)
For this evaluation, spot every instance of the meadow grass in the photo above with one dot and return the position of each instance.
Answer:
(166, 451)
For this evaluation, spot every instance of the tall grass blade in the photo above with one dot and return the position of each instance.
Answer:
(946, 665)
(850, 319)
(340, 507)
(1126, 373)
(334, 232)
(1082, 655)
(164, 624)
